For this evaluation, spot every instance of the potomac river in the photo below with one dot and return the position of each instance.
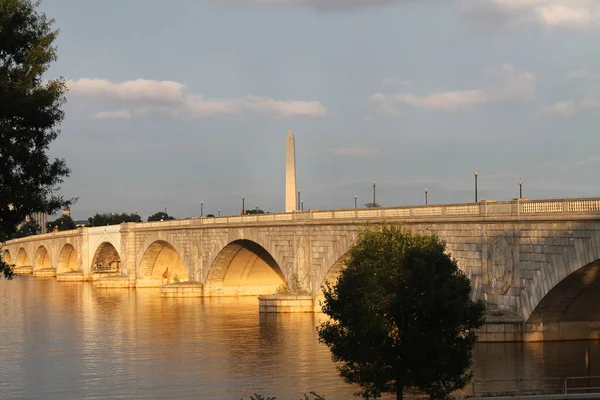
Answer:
(75, 341)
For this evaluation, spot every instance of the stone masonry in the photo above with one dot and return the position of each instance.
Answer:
(531, 261)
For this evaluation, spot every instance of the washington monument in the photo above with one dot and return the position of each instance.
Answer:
(290, 173)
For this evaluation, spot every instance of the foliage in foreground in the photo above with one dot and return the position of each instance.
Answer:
(401, 315)
(30, 115)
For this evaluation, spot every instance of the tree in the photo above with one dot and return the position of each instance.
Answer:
(64, 223)
(254, 211)
(113, 219)
(160, 216)
(401, 315)
(29, 228)
(30, 115)
(372, 205)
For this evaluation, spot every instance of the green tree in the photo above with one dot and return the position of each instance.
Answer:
(30, 115)
(113, 219)
(401, 315)
(29, 228)
(160, 216)
(372, 205)
(254, 211)
(64, 223)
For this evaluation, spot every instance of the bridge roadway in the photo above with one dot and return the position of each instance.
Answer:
(535, 263)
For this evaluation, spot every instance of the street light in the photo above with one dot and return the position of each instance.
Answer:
(201, 209)
(521, 188)
(257, 208)
(219, 212)
(165, 210)
(374, 202)
(476, 173)
(425, 196)
(355, 202)
(302, 205)
(298, 201)
(243, 205)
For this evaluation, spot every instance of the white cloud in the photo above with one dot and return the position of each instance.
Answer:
(168, 98)
(284, 109)
(393, 81)
(590, 160)
(117, 114)
(577, 15)
(563, 108)
(507, 84)
(569, 108)
(354, 151)
(582, 74)
(324, 5)
(139, 89)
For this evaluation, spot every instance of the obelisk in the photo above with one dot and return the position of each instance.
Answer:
(290, 173)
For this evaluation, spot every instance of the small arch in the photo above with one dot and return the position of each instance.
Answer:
(67, 260)
(243, 268)
(22, 259)
(161, 263)
(106, 260)
(42, 259)
(6, 257)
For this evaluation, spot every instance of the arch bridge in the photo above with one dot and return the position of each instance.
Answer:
(535, 262)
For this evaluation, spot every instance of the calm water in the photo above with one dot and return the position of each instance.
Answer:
(71, 340)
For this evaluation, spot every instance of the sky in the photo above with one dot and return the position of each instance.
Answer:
(171, 104)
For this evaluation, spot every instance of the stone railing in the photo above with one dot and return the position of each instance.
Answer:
(487, 209)
(482, 209)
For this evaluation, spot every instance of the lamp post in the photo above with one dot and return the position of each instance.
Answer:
(257, 209)
(302, 205)
(243, 205)
(298, 201)
(374, 202)
(355, 202)
(201, 209)
(521, 188)
(165, 211)
(425, 196)
(476, 174)
(219, 212)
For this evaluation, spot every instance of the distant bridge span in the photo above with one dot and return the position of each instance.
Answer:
(536, 263)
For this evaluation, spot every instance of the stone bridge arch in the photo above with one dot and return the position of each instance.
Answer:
(243, 267)
(106, 259)
(68, 259)
(562, 300)
(22, 259)
(6, 257)
(278, 244)
(42, 259)
(160, 263)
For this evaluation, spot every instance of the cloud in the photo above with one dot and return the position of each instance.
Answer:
(506, 84)
(582, 74)
(563, 108)
(354, 152)
(392, 81)
(117, 114)
(169, 98)
(590, 160)
(322, 5)
(569, 108)
(284, 109)
(575, 15)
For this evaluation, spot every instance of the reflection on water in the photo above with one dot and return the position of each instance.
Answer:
(72, 340)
